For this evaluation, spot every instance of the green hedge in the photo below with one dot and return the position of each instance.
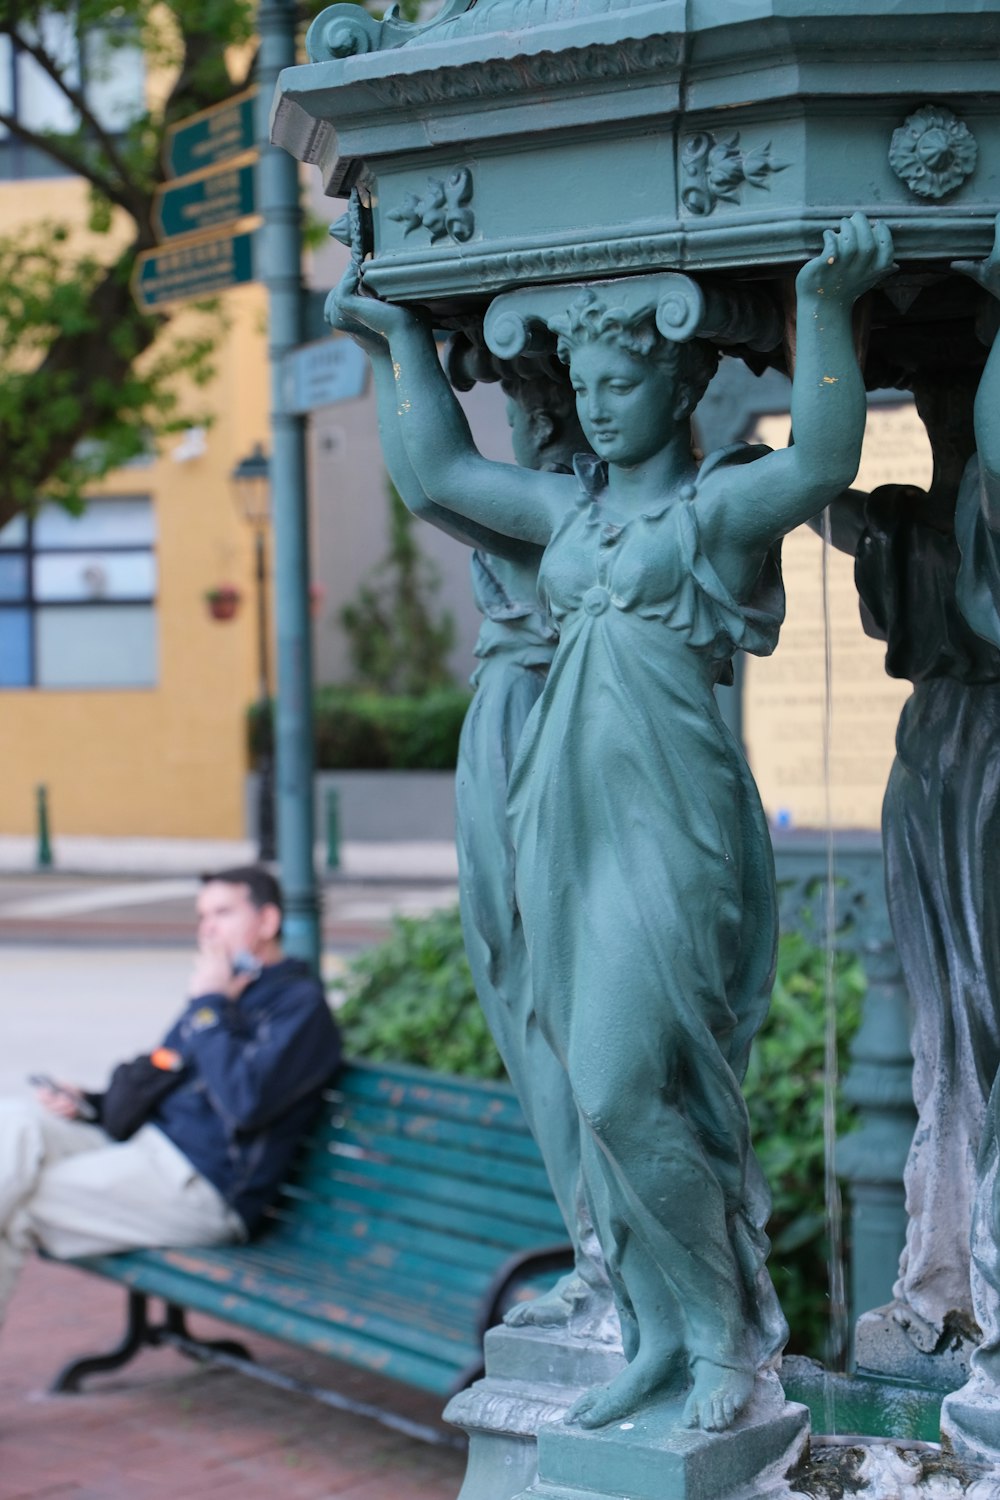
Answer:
(411, 1000)
(358, 731)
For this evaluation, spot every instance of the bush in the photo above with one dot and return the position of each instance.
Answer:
(784, 1093)
(357, 731)
(411, 1000)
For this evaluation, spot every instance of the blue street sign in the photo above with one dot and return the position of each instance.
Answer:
(193, 270)
(321, 374)
(208, 200)
(211, 136)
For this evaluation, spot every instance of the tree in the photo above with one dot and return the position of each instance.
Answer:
(88, 379)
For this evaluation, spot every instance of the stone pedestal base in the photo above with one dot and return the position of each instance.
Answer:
(891, 1342)
(970, 1423)
(533, 1376)
(652, 1456)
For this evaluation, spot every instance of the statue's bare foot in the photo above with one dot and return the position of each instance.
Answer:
(718, 1397)
(659, 1375)
(553, 1309)
(587, 1312)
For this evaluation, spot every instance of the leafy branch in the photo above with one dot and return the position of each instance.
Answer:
(89, 380)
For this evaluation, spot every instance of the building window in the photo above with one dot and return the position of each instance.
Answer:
(106, 65)
(77, 597)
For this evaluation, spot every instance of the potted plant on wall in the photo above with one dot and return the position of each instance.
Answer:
(223, 601)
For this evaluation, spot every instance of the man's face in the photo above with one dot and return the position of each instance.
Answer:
(228, 919)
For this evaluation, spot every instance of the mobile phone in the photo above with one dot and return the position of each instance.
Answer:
(245, 962)
(84, 1109)
(43, 1081)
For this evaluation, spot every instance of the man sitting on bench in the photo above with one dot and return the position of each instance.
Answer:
(188, 1145)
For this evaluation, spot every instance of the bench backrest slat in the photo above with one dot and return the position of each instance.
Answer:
(417, 1258)
(374, 1219)
(477, 1142)
(329, 1180)
(522, 1175)
(464, 1100)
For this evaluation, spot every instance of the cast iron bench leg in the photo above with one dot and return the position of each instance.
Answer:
(137, 1333)
(174, 1331)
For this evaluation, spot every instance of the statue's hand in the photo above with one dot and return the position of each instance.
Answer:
(341, 313)
(985, 272)
(367, 319)
(855, 257)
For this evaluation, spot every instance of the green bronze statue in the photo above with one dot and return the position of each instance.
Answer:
(928, 575)
(643, 868)
(514, 649)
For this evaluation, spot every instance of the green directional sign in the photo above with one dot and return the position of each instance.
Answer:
(211, 136)
(205, 201)
(196, 270)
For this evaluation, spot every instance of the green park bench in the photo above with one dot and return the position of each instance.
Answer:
(418, 1211)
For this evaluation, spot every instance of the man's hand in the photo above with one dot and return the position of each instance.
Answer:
(63, 1100)
(212, 974)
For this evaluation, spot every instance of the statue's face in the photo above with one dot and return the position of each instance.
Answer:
(625, 402)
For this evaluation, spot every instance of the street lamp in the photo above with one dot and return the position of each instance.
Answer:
(251, 482)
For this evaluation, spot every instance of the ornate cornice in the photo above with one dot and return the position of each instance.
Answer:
(499, 77)
(769, 238)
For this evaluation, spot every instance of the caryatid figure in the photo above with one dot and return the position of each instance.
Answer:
(643, 866)
(928, 574)
(515, 649)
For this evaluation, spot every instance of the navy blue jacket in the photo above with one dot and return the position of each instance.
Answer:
(255, 1071)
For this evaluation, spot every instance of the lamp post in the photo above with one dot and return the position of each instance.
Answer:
(251, 482)
(281, 274)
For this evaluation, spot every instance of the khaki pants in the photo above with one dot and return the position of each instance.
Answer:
(67, 1189)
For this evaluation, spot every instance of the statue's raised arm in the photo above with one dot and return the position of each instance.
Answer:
(439, 446)
(397, 461)
(742, 518)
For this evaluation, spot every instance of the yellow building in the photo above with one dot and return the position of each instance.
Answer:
(118, 690)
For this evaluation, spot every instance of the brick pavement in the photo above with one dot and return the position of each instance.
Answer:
(164, 1427)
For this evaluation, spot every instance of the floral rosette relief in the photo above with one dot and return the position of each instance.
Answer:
(933, 152)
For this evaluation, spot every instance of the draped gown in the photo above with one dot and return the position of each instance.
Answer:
(935, 599)
(515, 647)
(645, 881)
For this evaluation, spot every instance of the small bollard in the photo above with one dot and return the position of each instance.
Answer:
(44, 855)
(333, 829)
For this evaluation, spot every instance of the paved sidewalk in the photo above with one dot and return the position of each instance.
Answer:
(164, 1427)
(432, 859)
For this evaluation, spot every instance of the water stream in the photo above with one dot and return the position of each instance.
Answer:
(838, 1320)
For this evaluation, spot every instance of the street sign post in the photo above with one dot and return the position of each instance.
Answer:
(204, 214)
(199, 269)
(205, 200)
(212, 136)
(321, 374)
